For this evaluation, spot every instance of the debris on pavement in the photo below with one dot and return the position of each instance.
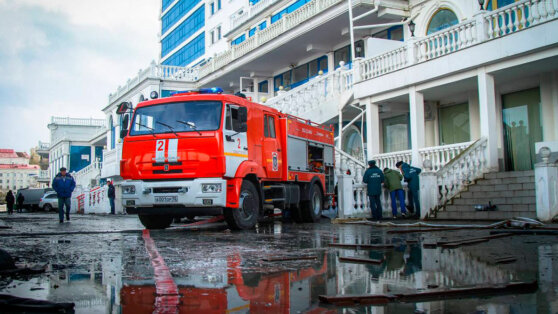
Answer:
(454, 293)
(288, 258)
(361, 260)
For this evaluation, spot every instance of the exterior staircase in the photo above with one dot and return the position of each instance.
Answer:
(512, 192)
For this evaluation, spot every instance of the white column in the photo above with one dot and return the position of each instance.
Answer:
(474, 117)
(546, 185)
(416, 107)
(372, 129)
(487, 112)
(340, 132)
(547, 110)
(256, 81)
(330, 62)
(555, 102)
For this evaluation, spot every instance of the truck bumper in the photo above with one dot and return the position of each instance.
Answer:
(173, 197)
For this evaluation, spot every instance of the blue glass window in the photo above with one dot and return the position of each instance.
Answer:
(252, 32)
(176, 13)
(212, 6)
(239, 40)
(218, 5)
(166, 4)
(291, 8)
(191, 25)
(166, 93)
(252, 2)
(444, 18)
(190, 52)
(263, 87)
(262, 25)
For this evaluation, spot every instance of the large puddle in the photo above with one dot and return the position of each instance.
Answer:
(221, 272)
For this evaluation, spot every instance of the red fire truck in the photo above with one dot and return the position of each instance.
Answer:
(207, 153)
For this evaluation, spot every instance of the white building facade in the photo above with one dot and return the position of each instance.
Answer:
(15, 171)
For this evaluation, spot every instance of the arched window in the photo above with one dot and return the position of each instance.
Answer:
(442, 19)
(352, 142)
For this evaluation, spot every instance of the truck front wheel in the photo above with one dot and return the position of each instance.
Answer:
(246, 215)
(155, 221)
(311, 210)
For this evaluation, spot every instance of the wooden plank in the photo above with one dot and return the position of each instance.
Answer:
(434, 295)
(362, 246)
(288, 258)
(360, 260)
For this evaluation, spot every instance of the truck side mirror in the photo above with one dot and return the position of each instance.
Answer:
(124, 126)
(123, 107)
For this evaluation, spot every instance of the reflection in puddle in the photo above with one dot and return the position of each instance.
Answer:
(230, 276)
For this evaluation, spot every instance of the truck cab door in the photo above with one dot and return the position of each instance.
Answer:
(272, 146)
(235, 141)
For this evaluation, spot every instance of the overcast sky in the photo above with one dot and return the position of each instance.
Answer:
(63, 58)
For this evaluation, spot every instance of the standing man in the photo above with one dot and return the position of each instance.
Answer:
(111, 195)
(411, 175)
(374, 178)
(10, 200)
(20, 199)
(64, 184)
(393, 184)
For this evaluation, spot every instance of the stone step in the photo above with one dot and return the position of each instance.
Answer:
(502, 187)
(496, 200)
(497, 194)
(509, 174)
(499, 181)
(492, 215)
(500, 207)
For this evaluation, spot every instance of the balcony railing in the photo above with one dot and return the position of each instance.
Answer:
(111, 162)
(157, 71)
(253, 10)
(78, 121)
(485, 26)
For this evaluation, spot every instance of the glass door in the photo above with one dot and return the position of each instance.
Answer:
(521, 115)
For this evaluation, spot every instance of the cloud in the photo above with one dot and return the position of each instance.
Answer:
(63, 58)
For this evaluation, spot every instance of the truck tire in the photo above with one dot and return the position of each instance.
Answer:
(311, 209)
(47, 207)
(246, 216)
(155, 221)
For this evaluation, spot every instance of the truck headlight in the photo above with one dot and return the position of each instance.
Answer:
(211, 187)
(128, 189)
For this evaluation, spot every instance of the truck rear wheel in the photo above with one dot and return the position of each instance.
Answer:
(155, 221)
(246, 215)
(311, 210)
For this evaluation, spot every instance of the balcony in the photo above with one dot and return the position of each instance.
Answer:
(77, 121)
(43, 176)
(111, 162)
(491, 36)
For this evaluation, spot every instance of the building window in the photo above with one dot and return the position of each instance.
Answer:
(442, 19)
(252, 32)
(218, 5)
(219, 32)
(186, 29)
(166, 4)
(291, 8)
(392, 33)
(176, 13)
(344, 53)
(212, 8)
(262, 25)
(396, 133)
(212, 35)
(263, 87)
(493, 5)
(239, 40)
(187, 54)
(454, 124)
(269, 126)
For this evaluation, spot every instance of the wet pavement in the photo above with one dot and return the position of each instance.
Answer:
(215, 270)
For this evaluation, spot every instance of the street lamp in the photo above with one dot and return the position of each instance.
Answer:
(481, 4)
(412, 27)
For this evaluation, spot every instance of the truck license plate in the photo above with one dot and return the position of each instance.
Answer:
(166, 199)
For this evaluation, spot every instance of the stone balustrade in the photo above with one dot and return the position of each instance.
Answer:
(253, 10)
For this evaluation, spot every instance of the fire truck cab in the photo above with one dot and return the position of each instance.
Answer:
(206, 153)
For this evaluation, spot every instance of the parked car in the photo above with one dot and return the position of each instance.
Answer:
(32, 197)
(49, 201)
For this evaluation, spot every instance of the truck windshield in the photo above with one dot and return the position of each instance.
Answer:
(190, 116)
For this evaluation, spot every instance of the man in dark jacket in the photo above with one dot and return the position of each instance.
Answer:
(111, 194)
(411, 175)
(20, 199)
(64, 184)
(393, 184)
(374, 178)
(10, 200)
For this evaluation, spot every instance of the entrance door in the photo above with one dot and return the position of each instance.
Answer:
(271, 146)
(521, 115)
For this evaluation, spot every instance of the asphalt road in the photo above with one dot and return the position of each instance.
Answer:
(109, 264)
